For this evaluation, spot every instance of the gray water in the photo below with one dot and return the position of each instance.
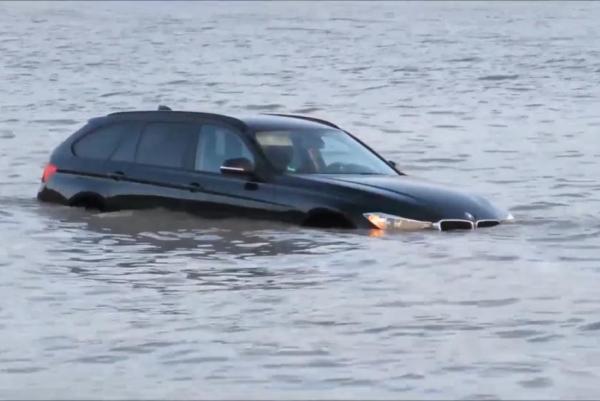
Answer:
(501, 99)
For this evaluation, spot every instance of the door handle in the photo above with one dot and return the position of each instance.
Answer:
(195, 187)
(116, 175)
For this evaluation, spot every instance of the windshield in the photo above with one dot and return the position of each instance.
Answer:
(326, 151)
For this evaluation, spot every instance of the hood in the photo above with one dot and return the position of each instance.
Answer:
(418, 197)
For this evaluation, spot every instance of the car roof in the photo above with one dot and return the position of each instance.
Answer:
(258, 122)
(270, 121)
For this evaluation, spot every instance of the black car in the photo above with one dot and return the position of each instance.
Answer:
(271, 166)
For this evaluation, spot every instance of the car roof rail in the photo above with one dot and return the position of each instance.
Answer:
(162, 107)
(178, 114)
(313, 119)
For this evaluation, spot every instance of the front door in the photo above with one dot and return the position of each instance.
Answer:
(226, 195)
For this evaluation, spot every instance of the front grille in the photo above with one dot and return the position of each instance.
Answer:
(447, 225)
(487, 223)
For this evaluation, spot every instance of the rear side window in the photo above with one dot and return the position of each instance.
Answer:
(125, 152)
(167, 144)
(102, 142)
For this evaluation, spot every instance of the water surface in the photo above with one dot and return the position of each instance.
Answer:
(499, 98)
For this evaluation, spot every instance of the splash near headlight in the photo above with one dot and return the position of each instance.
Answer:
(508, 219)
(385, 221)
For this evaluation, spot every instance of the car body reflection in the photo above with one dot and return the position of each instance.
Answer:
(168, 251)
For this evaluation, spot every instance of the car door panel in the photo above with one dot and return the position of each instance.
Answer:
(154, 187)
(160, 175)
(230, 195)
(224, 196)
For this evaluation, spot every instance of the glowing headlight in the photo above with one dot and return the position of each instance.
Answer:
(385, 221)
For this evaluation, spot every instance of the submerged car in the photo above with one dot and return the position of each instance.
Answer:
(291, 168)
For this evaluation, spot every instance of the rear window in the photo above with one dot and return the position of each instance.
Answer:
(102, 142)
(167, 144)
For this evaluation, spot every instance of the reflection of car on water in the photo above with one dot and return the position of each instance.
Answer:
(283, 167)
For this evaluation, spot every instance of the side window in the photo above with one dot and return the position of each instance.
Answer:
(125, 152)
(335, 150)
(101, 143)
(217, 144)
(166, 144)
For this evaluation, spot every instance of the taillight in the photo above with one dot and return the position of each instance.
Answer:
(49, 171)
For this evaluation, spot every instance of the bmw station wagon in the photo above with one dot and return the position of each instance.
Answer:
(291, 168)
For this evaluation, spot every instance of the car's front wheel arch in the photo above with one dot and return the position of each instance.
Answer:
(326, 218)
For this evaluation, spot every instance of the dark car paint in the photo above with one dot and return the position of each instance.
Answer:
(412, 198)
(264, 194)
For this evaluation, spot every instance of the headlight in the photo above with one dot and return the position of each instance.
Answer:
(385, 221)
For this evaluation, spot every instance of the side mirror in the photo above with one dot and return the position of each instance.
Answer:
(392, 163)
(237, 166)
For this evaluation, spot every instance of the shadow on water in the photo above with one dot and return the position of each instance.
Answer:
(167, 231)
(166, 250)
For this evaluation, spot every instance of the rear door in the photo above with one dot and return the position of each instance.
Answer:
(121, 170)
(164, 157)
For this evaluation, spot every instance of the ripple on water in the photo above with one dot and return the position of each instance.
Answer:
(56, 121)
(100, 359)
(498, 77)
(264, 107)
(537, 382)
(24, 370)
(6, 134)
(518, 333)
(591, 327)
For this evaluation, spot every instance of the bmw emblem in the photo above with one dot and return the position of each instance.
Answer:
(469, 216)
